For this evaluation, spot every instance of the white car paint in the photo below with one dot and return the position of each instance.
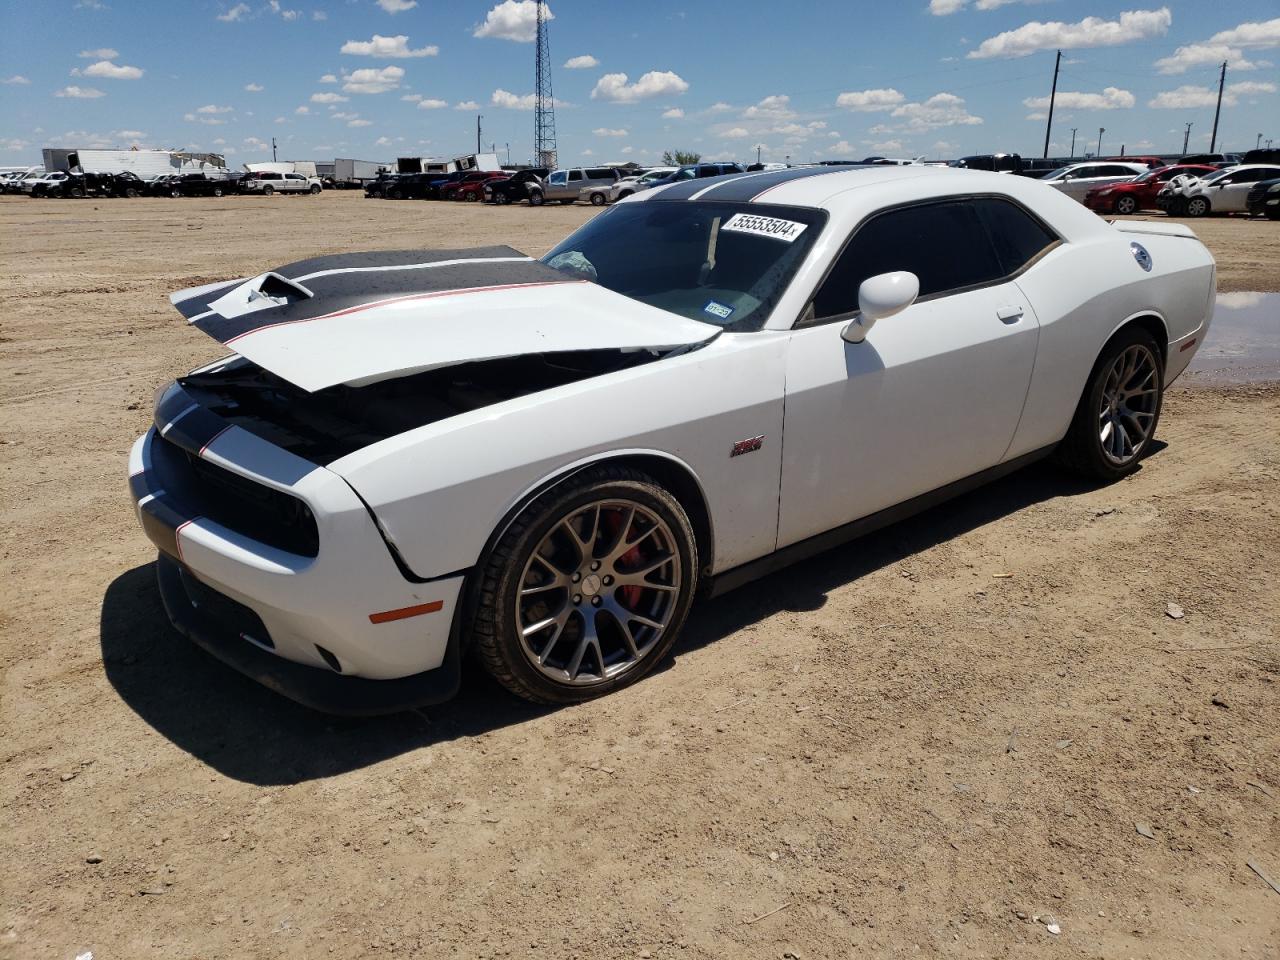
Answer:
(943, 390)
(629, 185)
(1227, 190)
(1077, 179)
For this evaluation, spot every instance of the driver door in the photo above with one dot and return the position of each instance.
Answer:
(933, 394)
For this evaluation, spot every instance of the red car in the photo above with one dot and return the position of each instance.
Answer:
(1139, 194)
(471, 187)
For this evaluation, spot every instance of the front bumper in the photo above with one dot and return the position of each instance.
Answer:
(324, 604)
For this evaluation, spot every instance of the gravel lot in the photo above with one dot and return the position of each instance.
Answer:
(937, 741)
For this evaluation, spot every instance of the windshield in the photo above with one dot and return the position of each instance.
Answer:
(1216, 175)
(721, 263)
(1059, 173)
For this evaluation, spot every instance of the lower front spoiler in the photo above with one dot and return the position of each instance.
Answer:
(310, 686)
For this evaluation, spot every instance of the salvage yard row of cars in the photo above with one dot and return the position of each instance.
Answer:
(403, 465)
(61, 183)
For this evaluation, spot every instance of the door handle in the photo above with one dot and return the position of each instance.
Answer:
(1010, 314)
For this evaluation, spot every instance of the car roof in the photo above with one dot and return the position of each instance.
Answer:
(797, 186)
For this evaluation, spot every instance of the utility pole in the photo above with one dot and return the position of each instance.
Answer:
(1186, 138)
(1257, 143)
(1101, 131)
(758, 150)
(478, 117)
(508, 154)
(1053, 95)
(1073, 143)
(1222, 79)
(273, 149)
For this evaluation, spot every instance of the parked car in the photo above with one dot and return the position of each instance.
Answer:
(471, 187)
(567, 185)
(344, 509)
(203, 185)
(629, 185)
(267, 183)
(1264, 200)
(434, 184)
(377, 188)
(695, 171)
(1226, 191)
(514, 188)
(1077, 179)
(1140, 194)
(78, 185)
(36, 186)
(1150, 162)
(13, 181)
(1172, 196)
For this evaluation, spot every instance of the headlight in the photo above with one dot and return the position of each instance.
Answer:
(1274, 188)
(1104, 191)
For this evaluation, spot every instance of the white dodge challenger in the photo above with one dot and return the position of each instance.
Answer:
(412, 455)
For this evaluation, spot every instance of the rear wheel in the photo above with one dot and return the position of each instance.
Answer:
(472, 197)
(217, 191)
(1126, 205)
(587, 589)
(1197, 207)
(131, 192)
(500, 198)
(175, 193)
(1119, 410)
(315, 188)
(77, 192)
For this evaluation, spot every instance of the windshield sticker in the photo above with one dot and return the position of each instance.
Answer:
(717, 309)
(786, 230)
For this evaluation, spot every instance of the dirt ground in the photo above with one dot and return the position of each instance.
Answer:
(935, 742)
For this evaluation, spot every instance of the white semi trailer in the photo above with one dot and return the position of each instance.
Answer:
(356, 173)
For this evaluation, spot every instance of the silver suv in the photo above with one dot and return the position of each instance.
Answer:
(566, 185)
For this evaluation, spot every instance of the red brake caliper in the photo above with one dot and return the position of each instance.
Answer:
(630, 595)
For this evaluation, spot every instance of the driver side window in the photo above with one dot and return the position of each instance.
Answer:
(944, 244)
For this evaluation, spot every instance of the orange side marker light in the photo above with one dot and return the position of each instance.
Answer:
(386, 616)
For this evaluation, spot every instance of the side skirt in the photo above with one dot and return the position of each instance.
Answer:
(821, 542)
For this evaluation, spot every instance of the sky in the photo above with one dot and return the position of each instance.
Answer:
(378, 79)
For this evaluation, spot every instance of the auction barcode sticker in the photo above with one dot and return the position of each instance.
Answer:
(786, 230)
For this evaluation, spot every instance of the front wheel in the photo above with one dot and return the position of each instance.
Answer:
(587, 589)
(1273, 213)
(1116, 419)
(315, 188)
(501, 199)
(268, 190)
(536, 199)
(1126, 205)
(175, 194)
(1197, 207)
(217, 191)
(472, 197)
(598, 199)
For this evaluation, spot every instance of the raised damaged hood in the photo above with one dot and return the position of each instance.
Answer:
(359, 318)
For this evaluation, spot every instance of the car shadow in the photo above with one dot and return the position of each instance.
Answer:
(248, 733)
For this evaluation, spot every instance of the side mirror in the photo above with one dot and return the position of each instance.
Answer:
(881, 296)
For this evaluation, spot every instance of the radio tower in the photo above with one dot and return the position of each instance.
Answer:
(544, 111)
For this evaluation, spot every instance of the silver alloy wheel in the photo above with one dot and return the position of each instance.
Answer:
(597, 594)
(1130, 398)
(1126, 205)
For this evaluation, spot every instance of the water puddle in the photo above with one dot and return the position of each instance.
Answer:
(1243, 345)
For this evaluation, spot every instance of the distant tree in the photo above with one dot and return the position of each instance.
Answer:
(679, 158)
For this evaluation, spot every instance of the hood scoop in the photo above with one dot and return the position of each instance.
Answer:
(357, 319)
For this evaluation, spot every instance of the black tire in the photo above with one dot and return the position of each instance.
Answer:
(268, 190)
(1126, 206)
(1272, 213)
(494, 593)
(1197, 206)
(77, 192)
(1081, 451)
(175, 193)
(598, 199)
(393, 194)
(131, 193)
(536, 199)
(217, 191)
(624, 194)
(315, 188)
(501, 199)
(472, 196)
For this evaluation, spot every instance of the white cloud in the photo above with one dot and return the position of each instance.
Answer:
(584, 62)
(675, 113)
(212, 108)
(719, 107)
(1111, 98)
(1189, 96)
(1256, 34)
(736, 133)
(844, 147)
(940, 110)
(387, 48)
(373, 80)
(79, 93)
(510, 101)
(284, 14)
(513, 20)
(254, 87)
(107, 70)
(383, 142)
(880, 98)
(328, 98)
(397, 6)
(588, 153)
(207, 120)
(432, 104)
(102, 53)
(359, 123)
(328, 78)
(466, 105)
(608, 132)
(888, 146)
(130, 134)
(943, 8)
(235, 13)
(1203, 54)
(412, 97)
(17, 80)
(774, 107)
(303, 111)
(1130, 26)
(319, 15)
(340, 115)
(614, 88)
